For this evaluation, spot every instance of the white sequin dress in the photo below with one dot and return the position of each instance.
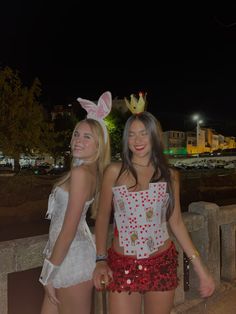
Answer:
(79, 262)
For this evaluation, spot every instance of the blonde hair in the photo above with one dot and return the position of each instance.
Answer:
(102, 159)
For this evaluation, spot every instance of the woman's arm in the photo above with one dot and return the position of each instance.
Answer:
(207, 285)
(102, 223)
(79, 193)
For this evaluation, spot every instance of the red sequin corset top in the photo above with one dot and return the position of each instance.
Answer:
(141, 218)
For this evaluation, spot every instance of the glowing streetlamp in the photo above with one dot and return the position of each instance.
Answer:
(198, 121)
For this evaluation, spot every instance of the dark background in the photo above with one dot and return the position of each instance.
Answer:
(182, 55)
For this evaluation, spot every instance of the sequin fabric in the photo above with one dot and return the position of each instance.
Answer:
(155, 273)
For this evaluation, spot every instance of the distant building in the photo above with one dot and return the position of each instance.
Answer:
(209, 140)
(174, 142)
(191, 142)
(215, 142)
(230, 141)
(221, 142)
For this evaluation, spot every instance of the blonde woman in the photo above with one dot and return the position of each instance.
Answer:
(70, 251)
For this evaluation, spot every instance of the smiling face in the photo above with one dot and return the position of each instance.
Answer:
(139, 140)
(84, 143)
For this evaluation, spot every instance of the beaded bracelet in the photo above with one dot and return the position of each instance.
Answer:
(193, 256)
(101, 257)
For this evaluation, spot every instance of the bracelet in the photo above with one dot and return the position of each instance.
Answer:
(48, 273)
(101, 257)
(193, 256)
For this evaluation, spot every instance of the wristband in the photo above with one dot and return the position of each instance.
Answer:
(193, 256)
(48, 272)
(101, 257)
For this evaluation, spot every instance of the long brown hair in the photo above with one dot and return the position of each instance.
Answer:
(102, 158)
(157, 157)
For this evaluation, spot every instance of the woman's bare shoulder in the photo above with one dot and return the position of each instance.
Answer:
(82, 173)
(174, 177)
(174, 173)
(113, 169)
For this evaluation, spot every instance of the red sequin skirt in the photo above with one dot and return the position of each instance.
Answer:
(155, 273)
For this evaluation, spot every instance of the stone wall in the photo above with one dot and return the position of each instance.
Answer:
(211, 227)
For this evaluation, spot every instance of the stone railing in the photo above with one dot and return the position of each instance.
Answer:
(212, 229)
(18, 255)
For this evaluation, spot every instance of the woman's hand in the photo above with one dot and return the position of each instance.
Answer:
(102, 275)
(51, 294)
(207, 286)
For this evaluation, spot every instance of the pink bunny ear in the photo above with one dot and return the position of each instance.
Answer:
(88, 105)
(100, 111)
(104, 105)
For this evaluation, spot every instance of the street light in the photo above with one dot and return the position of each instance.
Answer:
(199, 121)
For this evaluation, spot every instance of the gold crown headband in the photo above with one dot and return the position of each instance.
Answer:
(135, 105)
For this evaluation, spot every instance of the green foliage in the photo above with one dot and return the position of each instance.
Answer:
(115, 124)
(21, 115)
(59, 135)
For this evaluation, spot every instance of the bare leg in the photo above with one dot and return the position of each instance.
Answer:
(48, 307)
(125, 303)
(75, 299)
(158, 302)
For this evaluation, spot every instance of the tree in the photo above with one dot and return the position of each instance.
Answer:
(21, 116)
(58, 138)
(115, 123)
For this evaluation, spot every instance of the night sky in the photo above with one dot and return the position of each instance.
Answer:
(183, 57)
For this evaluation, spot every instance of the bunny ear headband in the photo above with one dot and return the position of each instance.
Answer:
(100, 111)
